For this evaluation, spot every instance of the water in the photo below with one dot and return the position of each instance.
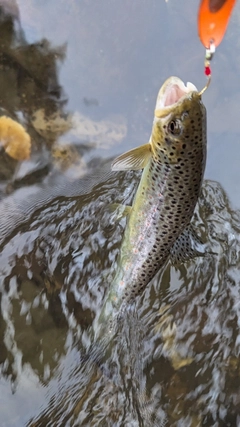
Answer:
(86, 93)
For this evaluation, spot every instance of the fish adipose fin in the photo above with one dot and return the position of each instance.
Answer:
(120, 210)
(187, 246)
(134, 159)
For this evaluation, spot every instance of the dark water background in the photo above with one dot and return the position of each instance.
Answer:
(177, 361)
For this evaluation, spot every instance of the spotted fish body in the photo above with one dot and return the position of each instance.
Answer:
(158, 221)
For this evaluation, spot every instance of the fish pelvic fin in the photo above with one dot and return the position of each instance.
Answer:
(186, 247)
(135, 159)
(120, 210)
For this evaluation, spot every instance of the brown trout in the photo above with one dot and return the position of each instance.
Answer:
(158, 223)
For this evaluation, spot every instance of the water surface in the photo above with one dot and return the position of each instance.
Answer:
(83, 78)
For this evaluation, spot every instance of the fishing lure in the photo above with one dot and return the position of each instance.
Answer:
(213, 17)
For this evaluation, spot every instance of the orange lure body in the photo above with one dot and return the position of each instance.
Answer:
(213, 17)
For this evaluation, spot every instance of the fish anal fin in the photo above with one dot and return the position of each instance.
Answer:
(186, 247)
(134, 159)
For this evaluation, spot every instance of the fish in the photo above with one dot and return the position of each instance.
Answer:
(159, 221)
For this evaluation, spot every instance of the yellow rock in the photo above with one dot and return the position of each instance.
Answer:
(168, 329)
(50, 126)
(14, 139)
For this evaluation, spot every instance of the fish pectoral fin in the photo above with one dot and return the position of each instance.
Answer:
(120, 210)
(187, 246)
(134, 159)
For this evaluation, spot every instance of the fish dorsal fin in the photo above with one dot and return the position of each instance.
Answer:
(133, 159)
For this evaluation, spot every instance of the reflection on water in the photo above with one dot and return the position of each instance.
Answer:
(176, 361)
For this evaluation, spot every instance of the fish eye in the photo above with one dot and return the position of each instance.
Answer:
(175, 127)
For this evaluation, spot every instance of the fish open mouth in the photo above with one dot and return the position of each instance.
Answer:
(172, 91)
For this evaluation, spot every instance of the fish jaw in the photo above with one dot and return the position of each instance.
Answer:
(171, 94)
